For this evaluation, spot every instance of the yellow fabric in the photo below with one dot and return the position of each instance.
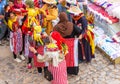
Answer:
(92, 44)
(37, 34)
(32, 13)
(52, 15)
(10, 22)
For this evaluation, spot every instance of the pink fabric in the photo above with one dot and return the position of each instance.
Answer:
(18, 6)
(17, 39)
(59, 73)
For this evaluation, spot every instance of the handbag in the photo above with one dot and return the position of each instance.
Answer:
(48, 75)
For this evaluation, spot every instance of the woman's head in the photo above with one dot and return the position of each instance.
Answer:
(7, 7)
(29, 4)
(10, 3)
(63, 17)
(12, 15)
(19, 1)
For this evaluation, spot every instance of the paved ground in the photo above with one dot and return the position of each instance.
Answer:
(99, 71)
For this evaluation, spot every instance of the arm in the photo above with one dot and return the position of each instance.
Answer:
(76, 30)
(39, 57)
(53, 15)
(42, 10)
(84, 24)
(1, 16)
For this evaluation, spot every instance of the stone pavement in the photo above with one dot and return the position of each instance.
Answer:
(99, 71)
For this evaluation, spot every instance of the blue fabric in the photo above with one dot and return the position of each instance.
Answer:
(3, 29)
(2, 4)
(63, 9)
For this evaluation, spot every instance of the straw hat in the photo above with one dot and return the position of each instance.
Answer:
(50, 1)
(71, 1)
(74, 10)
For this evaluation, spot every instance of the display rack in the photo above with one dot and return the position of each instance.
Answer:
(110, 25)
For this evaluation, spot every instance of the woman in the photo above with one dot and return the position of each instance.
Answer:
(15, 37)
(69, 30)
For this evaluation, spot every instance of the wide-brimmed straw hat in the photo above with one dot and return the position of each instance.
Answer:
(74, 10)
(50, 1)
(71, 2)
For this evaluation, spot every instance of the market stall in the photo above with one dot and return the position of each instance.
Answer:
(107, 27)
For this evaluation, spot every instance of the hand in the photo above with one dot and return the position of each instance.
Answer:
(43, 12)
(80, 37)
(1, 16)
(32, 49)
(22, 9)
(45, 34)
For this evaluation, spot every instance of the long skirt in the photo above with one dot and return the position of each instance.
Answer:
(85, 52)
(59, 73)
(27, 43)
(16, 41)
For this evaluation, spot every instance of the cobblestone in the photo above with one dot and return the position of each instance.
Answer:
(99, 71)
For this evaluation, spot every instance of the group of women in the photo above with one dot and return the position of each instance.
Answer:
(41, 25)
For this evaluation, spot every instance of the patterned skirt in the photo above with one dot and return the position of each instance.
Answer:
(16, 42)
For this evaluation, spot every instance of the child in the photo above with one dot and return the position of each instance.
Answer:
(15, 37)
(28, 26)
(54, 54)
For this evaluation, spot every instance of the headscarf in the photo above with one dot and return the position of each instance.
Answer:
(64, 27)
(60, 40)
(19, 5)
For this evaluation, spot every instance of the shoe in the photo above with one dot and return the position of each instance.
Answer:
(29, 66)
(22, 57)
(39, 74)
(18, 60)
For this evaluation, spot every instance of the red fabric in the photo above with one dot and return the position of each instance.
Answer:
(18, 6)
(70, 56)
(11, 9)
(36, 63)
(47, 12)
(36, 3)
(103, 12)
(56, 36)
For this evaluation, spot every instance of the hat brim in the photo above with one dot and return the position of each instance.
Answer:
(50, 1)
(74, 10)
(71, 1)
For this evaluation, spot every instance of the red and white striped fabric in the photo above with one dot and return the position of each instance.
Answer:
(59, 73)
(72, 56)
